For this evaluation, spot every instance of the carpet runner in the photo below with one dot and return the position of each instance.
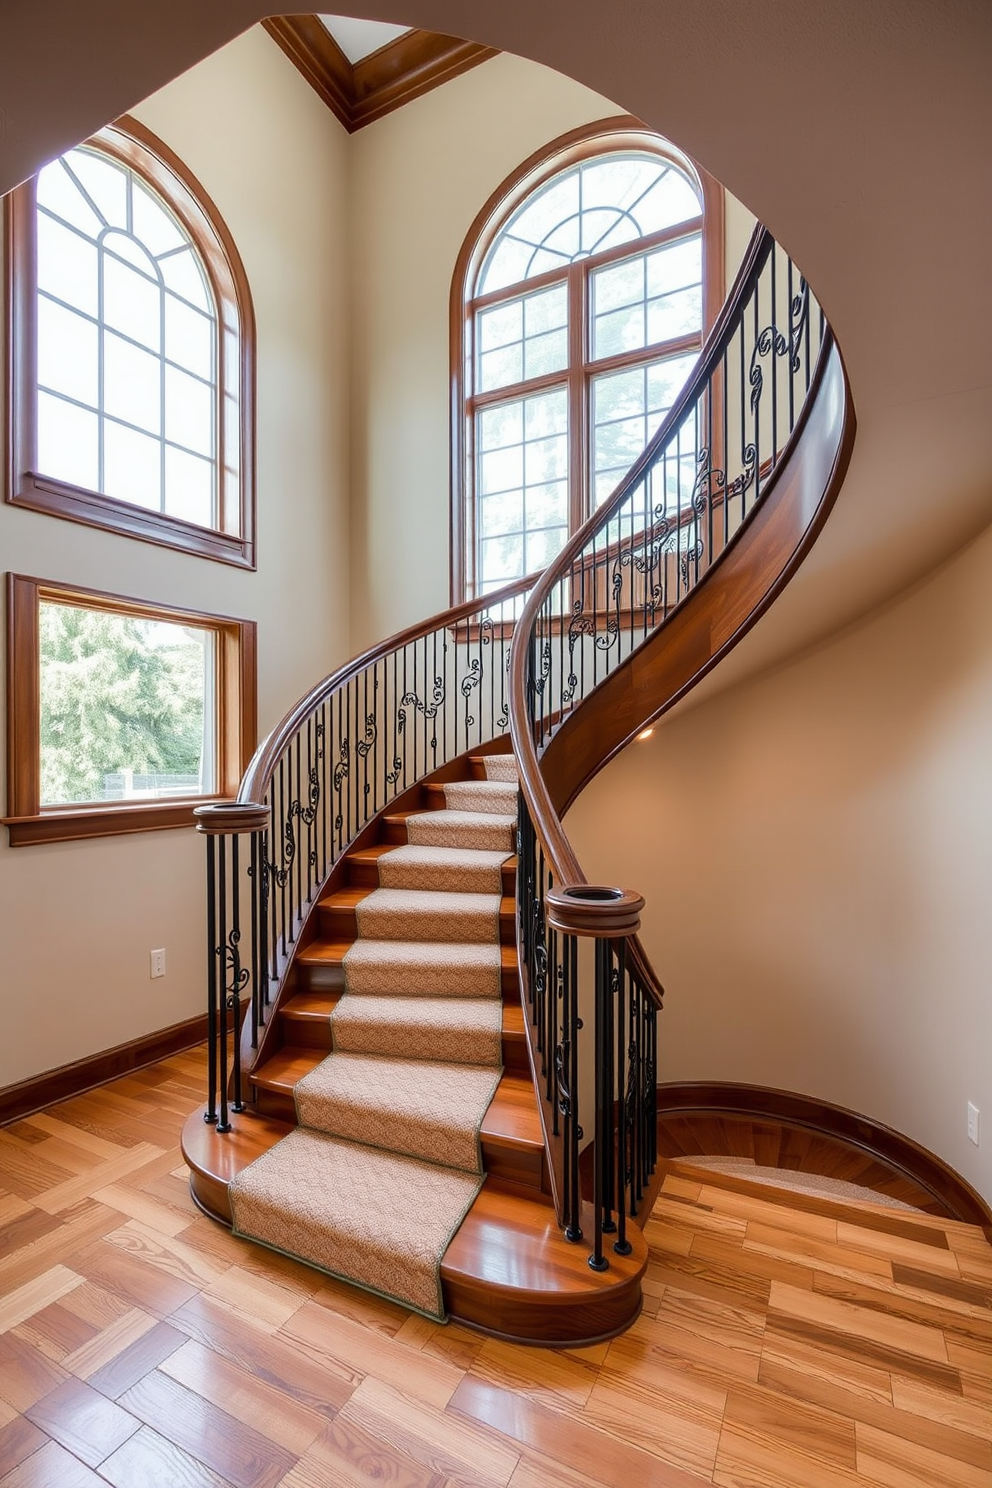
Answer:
(386, 1160)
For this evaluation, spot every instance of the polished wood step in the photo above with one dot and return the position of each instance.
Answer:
(307, 1016)
(363, 868)
(339, 917)
(511, 1135)
(508, 1269)
(435, 799)
(477, 764)
(321, 965)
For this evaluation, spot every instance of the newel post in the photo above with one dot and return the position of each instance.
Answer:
(609, 916)
(224, 824)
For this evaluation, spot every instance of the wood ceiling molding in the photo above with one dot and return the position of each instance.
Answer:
(397, 73)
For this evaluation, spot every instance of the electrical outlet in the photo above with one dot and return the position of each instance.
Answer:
(157, 959)
(973, 1118)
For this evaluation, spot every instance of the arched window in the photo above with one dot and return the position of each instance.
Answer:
(579, 304)
(131, 350)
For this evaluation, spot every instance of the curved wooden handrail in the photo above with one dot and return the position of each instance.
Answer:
(258, 775)
(736, 589)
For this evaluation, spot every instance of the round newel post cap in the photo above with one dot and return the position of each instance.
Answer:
(594, 909)
(229, 818)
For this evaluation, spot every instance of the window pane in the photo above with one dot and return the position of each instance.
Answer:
(547, 506)
(501, 368)
(189, 408)
(132, 466)
(132, 384)
(189, 488)
(501, 325)
(546, 354)
(67, 353)
(675, 315)
(501, 426)
(623, 284)
(502, 470)
(152, 224)
(502, 514)
(672, 200)
(502, 559)
(104, 183)
(627, 409)
(547, 311)
(57, 191)
(189, 338)
(132, 303)
(675, 267)
(182, 274)
(124, 710)
(68, 442)
(67, 265)
(619, 331)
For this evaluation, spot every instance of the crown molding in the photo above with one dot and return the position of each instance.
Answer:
(402, 70)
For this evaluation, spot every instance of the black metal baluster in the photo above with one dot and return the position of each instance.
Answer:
(573, 1129)
(210, 1115)
(237, 978)
(598, 1260)
(256, 985)
(224, 1123)
(621, 1245)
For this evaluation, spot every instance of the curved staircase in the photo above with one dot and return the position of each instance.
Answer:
(389, 989)
(366, 1007)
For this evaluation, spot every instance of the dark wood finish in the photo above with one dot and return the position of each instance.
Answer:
(233, 539)
(227, 818)
(316, 55)
(29, 822)
(595, 910)
(620, 132)
(358, 94)
(17, 1101)
(952, 1195)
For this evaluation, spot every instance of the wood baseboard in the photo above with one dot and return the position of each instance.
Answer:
(84, 1074)
(955, 1193)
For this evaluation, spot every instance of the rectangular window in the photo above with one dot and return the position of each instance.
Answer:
(122, 716)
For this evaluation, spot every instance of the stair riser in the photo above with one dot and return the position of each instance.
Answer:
(315, 1033)
(329, 977)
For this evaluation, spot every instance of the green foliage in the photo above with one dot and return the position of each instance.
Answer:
(117, 693)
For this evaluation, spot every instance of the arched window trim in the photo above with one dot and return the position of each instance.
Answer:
(233, 539)
(623, 132)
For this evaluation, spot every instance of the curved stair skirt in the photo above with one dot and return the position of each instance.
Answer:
(943, 1192)
(508, 1270)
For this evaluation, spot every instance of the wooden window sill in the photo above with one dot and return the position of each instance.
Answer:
(76, 823)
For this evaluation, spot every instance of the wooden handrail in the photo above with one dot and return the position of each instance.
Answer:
(258, 776)
(544, 811)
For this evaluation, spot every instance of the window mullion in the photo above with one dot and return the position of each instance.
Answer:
(578, 420)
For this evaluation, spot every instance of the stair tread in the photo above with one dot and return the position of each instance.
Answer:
(318, 1006)
(332, 953)
(512, 1119)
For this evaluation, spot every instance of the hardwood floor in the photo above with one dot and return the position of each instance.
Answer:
(785, 1342)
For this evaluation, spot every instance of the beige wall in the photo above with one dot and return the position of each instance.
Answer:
(815, 847)
(419, 177)
(77, 921)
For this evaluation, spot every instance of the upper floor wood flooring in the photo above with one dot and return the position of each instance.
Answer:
(785, 1342)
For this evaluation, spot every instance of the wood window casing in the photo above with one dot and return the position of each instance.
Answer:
(235, 723)
(232, 538)
(623, 133)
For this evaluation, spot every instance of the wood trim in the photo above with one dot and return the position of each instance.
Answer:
(27, 821)
(621, 131)
(395, 74)
(316, 56)
(233, 539)
(882, 1142)
(17, 1101)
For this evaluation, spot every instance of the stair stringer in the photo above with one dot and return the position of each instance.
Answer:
(740, 586)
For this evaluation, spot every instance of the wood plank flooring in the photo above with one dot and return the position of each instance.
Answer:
(784, 1342)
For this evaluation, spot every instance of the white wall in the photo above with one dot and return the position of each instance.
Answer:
(419, 177)
(77, 920)
(815, 847)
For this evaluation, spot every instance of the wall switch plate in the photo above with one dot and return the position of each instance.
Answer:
(973, 1116)
(157, 959)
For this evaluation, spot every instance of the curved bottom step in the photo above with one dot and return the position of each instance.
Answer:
(508, 1270)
